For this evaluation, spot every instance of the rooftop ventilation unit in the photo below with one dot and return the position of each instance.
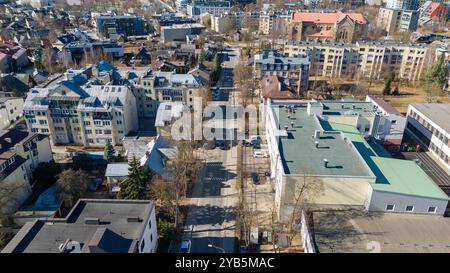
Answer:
(317, 143)
(134, 219)
(92, 221)
(325, 163)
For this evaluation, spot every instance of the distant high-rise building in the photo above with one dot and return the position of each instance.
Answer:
(403, 4)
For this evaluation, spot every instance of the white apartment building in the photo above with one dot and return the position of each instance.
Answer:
(428, 129)
(10, 111)
(87, 107)
(274, 22)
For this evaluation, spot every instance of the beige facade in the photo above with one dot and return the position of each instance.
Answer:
(274, 23)
(369, 60)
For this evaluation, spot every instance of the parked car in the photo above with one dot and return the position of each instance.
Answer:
(255, 178)
(185, 246)
(260, 155)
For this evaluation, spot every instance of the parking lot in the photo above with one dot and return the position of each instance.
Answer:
(259, 194)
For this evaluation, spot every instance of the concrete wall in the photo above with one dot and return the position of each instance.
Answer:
(379, 200)
(307, 237)
(149, 240)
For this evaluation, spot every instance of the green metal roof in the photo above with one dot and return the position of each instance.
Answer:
(393, 175)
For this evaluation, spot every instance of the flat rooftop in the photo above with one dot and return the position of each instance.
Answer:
(439, 113)
(45, 236)
(300, 155)
(353, 230)
(331, 108)
(392, 175)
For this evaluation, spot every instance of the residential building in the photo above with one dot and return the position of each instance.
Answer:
(402, 4)
(363, 59)
(92, 226)
(433, 11)
(12, 58)
(327, 26)
(78, 50)
(276, 87)
(10, 111)
(167, 20)
(296, 69)
(20, 154)
(274, 22)
(397, 20)
(153, 88)
(197, 8)
(332, 144)
(125, 25)
(428, 129)
(88, 107)
(168, 113)
(179, 33)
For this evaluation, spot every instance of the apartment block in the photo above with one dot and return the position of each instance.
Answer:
(197, 8)
(121, 25)
(428, 129)
(295, 69)
(179, 33)
(88, 107)
(362, 59)
(274, 22)
(397, 20)
(403, 4)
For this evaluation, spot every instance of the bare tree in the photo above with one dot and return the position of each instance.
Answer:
(72, 185)
(245, 81)
(307, 189)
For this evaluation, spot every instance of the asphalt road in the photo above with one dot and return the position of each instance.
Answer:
(211, 220)
(211, 215)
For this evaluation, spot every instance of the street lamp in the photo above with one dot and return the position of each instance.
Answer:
(216, 247)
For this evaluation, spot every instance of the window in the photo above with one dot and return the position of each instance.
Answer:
(151, 237)
(390, 207)
(410, 208)
(142, 245)
(150, 224)
(431, 209)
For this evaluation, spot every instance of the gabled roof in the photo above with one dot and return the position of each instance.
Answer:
(327, 17)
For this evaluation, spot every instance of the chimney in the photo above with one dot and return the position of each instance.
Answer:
(325, 163)
(316, 134)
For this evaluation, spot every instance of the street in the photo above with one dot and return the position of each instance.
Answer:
(210, 224)
(211, 215)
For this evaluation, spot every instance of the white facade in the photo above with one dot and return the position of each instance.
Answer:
(398, 203)
(429, 134)
(10, 110)
(148, 242)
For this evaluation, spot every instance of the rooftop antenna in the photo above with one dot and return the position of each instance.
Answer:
(325, 162)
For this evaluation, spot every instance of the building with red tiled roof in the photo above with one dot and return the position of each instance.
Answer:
(434, 10)
(327, 26)
(274, 87)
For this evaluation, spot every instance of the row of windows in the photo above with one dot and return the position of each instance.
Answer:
(410, 208)
(440, 135)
